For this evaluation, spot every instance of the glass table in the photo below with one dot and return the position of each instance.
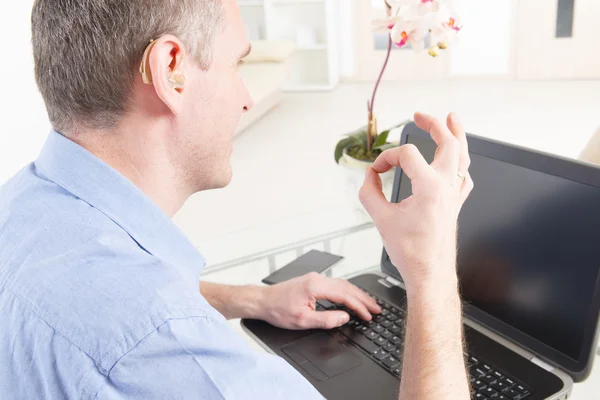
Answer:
(246, 257)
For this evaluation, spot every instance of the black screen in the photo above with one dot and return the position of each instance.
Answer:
(529, 248)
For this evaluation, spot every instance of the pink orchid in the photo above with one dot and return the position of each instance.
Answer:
(408, 22)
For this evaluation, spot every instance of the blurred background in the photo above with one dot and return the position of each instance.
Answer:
(525, 72)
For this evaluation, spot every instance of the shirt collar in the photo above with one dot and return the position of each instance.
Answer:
(98, 184)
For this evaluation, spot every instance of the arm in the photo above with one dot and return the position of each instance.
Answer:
(198, 357)
(234, 301)
(433, 354)
(419, 234)
(291, 304)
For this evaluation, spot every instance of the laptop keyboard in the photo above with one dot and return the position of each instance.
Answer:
(382, 339)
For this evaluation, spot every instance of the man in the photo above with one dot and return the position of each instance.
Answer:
(99, 290)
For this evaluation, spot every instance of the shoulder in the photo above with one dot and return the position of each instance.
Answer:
(80, 273)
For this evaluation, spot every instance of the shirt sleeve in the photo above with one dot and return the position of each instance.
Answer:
(200, 358)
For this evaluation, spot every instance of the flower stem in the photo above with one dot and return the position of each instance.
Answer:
(372, 103)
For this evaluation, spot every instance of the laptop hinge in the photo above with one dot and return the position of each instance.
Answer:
(392, 281)
(542, 364)
(385, 283)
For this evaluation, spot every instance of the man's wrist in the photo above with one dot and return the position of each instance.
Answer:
(235, 301)
(252, 301)
(439, 286)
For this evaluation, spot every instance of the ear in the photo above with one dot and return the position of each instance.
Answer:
(165, 64)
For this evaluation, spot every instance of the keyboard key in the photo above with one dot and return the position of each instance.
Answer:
(371, 335)
(477, 372)
(489, 379)
(479, 384)
(378, 328)
(385, 312)
(396, 339)
(396, 371)
(497, 374)
(380, 341)
(359, 339)
(326, 304)
(387, 334)
(371, 324)
(392, 317)
(500, 385)
(480, 396)
(358, 327)
(512, 394)
(379, 302)
(473, 360)
(486, 368)
(386, 323)
(395, 310)
(509, 381)
(391, 362)
(381, 354)
(522, 389)
(395, 329)
(397, 353)
(502, 397)
(390, 348)
(490, 391)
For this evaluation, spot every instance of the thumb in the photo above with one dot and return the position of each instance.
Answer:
(371, 194)
(326, 319)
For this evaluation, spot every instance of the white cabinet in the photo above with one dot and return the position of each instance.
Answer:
(312, 26)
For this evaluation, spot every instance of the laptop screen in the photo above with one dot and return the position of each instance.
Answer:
(529, 248)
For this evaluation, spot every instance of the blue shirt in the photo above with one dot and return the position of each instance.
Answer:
(99, 296)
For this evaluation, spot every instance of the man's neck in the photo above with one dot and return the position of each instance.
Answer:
(143, 159)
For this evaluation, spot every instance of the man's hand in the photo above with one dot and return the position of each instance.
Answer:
(292, 304)
(420, 232)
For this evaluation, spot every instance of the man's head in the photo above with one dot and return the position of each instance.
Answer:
(87, 59)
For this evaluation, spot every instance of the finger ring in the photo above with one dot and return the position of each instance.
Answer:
(461, 176)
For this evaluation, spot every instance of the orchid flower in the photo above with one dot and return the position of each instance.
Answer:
(410, 21)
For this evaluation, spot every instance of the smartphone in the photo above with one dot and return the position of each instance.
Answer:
(313, 261)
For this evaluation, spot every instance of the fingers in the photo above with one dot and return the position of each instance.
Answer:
(371, 195)
(448, 153)
(457, 129)
(464, 162)
(343, 292)
(324, 319)
(363, 297)
(406, 157)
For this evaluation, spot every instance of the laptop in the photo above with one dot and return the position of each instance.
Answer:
(528, 265)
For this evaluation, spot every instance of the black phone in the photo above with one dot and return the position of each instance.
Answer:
(313, 261)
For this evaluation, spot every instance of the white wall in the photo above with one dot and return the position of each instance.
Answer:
(485, 41)
(23, 120)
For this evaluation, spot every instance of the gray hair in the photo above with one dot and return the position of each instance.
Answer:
(86, 52)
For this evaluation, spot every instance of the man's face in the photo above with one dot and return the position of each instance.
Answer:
(214, 102)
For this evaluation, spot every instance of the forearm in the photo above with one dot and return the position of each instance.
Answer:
(234, 301)
(433, 365)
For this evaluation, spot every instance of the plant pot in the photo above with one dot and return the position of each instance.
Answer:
(355, 171)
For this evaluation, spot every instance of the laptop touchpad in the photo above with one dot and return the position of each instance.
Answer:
(322, 356)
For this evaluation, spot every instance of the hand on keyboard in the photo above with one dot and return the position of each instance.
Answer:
(293, 304)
